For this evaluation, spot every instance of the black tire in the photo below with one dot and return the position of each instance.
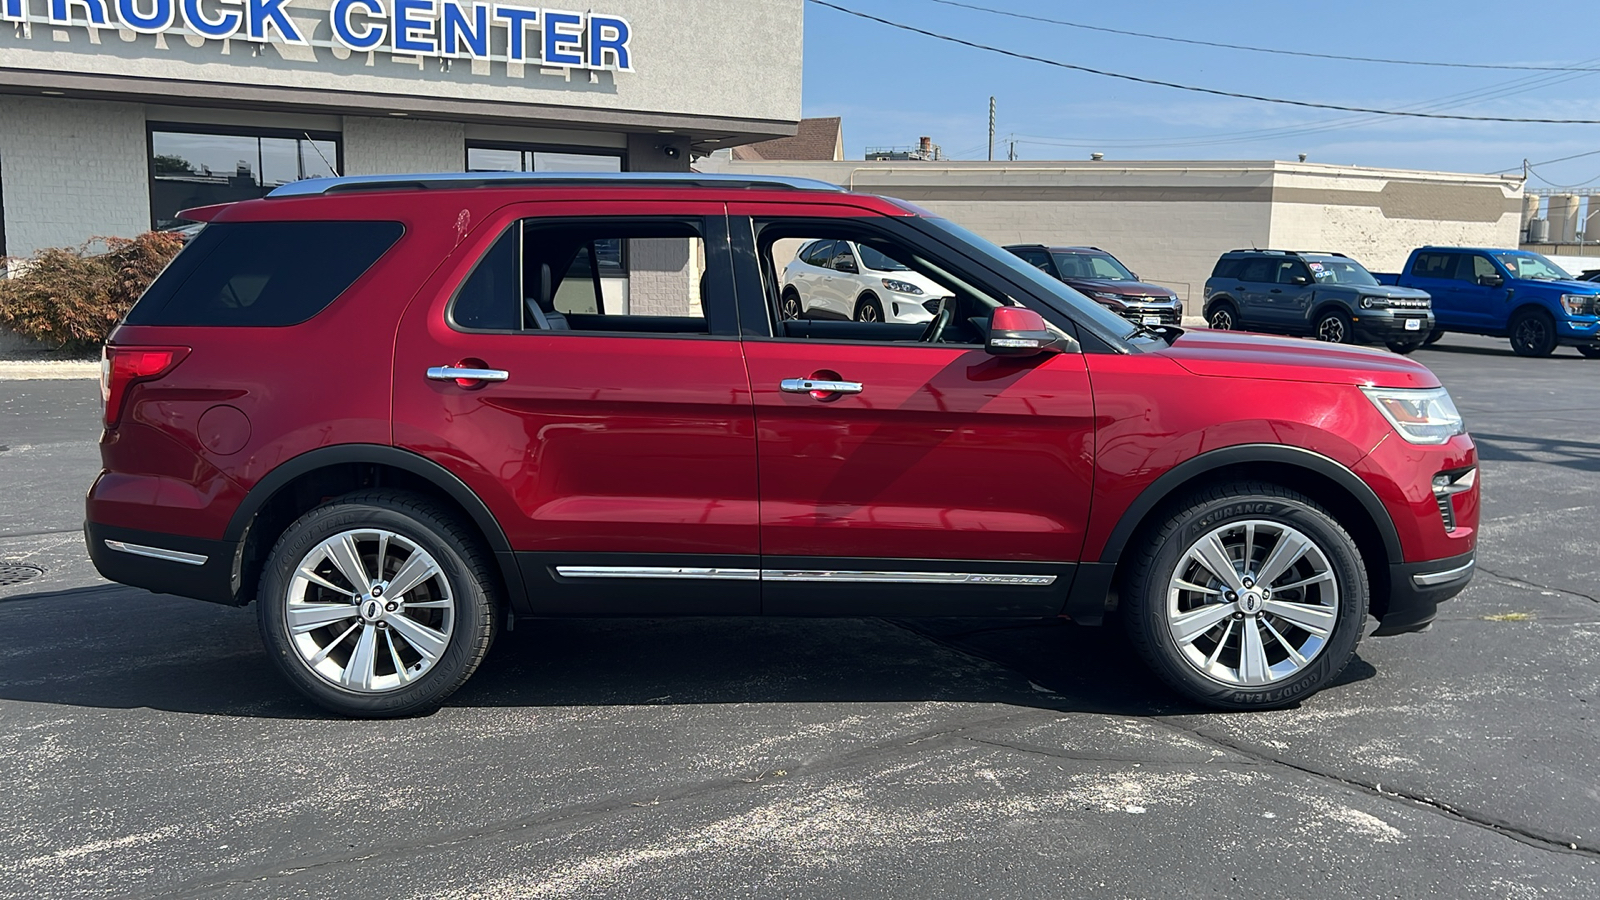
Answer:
(1403, 348)
(463, 566)
(1334, 327)
(1592, 351)
(1145, 594)
(1533, 333)
(868, 309)
(1433, 336)
(1223, 317)
(790, 306)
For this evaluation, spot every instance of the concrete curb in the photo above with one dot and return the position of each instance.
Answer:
(48, 370)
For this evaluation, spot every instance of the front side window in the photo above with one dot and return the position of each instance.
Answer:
(1479, 267)
(570, 276)
(1288, 270)
(190, 168)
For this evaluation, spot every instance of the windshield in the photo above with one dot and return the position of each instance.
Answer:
(1099, 266)
(1080, 306)
(1340, 271)
(1531, 266)
(876, 261)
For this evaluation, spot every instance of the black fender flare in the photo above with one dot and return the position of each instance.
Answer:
(1188, 470)
(1217, 300)
(371, 454)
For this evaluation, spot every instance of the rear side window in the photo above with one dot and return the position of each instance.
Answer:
(1434, 265)
(1257, 269)
(1227, 268)
(263, 274)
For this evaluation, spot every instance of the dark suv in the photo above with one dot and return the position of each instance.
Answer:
(1094, 272)
(1326, 295)
(401, 414)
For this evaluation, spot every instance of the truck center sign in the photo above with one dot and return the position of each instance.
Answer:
(452, 29)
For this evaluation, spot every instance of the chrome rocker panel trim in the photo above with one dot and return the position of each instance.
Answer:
(177, 556)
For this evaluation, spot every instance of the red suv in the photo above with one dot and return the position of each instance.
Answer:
(401, 414)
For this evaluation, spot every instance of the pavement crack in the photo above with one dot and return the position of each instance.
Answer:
(1522, 834)
(1512, 579)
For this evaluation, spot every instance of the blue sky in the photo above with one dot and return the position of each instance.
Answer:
(892, 86)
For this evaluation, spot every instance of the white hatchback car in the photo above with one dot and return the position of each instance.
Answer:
(846, 280)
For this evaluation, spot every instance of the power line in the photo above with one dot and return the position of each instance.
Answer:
(1194, 88)
(1545, 162)
(1303, 53)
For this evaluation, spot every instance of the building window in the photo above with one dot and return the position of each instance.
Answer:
(517, 158)
(192, 167)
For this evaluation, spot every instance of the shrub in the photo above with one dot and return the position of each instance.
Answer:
(71, 297)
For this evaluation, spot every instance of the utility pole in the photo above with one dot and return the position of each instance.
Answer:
(1013, 156)
(991, 129)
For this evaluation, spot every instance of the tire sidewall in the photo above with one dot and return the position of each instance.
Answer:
(866, 300)
(1545, 347)
(1149, 603)
(474, 609)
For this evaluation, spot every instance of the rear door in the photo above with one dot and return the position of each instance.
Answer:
(1256, 280)
(603, 411)
(1435, 272)
(938, 480)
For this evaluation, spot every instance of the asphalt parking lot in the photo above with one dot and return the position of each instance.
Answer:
(150, 750)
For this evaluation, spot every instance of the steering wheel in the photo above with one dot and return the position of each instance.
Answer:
(935, 330)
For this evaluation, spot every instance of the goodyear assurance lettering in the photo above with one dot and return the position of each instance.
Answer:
(455, 29)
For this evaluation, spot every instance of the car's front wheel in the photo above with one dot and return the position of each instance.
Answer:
(1533, 333)
(868, 309)
(379, 604)
(1335, 327)
(1249, 597)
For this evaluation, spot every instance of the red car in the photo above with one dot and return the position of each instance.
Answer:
(401, 414)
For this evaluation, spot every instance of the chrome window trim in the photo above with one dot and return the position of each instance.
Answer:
(177, 556)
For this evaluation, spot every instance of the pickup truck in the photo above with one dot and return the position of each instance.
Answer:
(1505, 293)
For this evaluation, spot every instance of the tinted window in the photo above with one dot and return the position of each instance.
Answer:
(1036, 258)
(488, 300)
(1226, 268)
(818, 253)
(1289, 270)
(263, 273)
(1434, 265)
(1257, 269)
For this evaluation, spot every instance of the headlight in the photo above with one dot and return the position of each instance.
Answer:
(1374, 303)
(1421, 417)
(1579, 304)
(902, 287)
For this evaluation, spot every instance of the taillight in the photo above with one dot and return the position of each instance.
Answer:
(123, 367)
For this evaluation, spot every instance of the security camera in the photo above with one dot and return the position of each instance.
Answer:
(670, 152)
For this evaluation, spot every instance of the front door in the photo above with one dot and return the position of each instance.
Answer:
(929, 478)
(602, 409)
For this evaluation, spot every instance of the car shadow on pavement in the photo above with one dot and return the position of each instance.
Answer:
(1581, 455)
(1561, 354)
(120, 648)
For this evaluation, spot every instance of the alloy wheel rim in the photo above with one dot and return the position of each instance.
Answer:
(369, 611)
(1252, 603)
(791, 307)
(1221, 321)
(1530, 333)
(1332, 330)
(868, 313)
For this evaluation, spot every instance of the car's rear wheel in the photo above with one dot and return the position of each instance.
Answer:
(1250, 597)
(1592, 351)
(790, 305)
(1335, 327)
(1533, 333)
(378, 604)
(1403, 347)
(868, 309)
(1223, 317)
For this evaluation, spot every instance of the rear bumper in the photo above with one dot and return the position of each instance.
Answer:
(165, 563)
(1417, 589)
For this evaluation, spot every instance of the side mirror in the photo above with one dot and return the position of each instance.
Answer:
(844, 264)
(1014, 331)
(1301, 279)
(1490, 281)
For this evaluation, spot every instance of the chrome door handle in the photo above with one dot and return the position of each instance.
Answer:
(808, 385)
(451, 373)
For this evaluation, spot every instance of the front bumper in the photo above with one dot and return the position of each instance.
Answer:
(1392, 324)
(1578, 332)
(1417, 589)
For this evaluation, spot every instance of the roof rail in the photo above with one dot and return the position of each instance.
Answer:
(1290, 252)
(317, 187)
